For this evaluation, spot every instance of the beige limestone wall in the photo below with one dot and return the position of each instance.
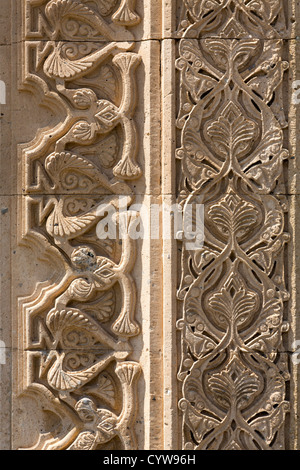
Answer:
(148, 344)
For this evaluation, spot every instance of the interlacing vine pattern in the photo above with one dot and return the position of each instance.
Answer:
(78, 324)
(232, 154)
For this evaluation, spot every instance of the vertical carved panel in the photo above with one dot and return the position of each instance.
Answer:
(232, 153)
(76, 327)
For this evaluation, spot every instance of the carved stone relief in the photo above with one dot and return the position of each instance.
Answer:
(163, 342)
(233, 293)
(76, 331)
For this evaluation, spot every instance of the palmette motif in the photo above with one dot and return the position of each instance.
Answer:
(231, 117)
(77, 326)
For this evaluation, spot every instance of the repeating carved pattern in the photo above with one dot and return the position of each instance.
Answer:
(231, 120)
(77, 326)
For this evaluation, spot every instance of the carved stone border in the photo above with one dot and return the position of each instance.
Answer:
(231, 117)
(76, 328)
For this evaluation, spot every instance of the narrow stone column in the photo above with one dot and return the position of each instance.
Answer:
(233, 153)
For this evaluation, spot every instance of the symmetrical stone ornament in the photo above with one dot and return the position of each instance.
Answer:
(76, 329)
(149, 221)
(231, 118)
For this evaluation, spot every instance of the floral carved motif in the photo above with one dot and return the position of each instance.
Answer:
(233, 294)
(77, 326)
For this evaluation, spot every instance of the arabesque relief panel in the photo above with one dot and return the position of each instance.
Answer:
(232, 156)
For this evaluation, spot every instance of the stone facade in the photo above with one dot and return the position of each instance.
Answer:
(155, 336)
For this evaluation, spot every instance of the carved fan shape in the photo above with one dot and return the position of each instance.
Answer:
(72, 328)
(106, 387)
(104, 308)
(125, 15)
(60, 11)
(80, 289)
(70, 171)
(59, 225)
(128, 372)
(66, 381)
(58, 320)
(58, 66)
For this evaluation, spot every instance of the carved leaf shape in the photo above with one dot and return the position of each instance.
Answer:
(234, 386)
(233, 216)
(227, 309)
(189, 50)
(191, 64)
(234, 51)
(232, 134)
(199, 344)
(192, 146)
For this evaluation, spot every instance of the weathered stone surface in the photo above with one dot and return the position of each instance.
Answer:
(233, 129)
(161, 342)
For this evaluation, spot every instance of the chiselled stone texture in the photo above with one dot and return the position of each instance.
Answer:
(232, 151)
(144, 109)
(76, 330)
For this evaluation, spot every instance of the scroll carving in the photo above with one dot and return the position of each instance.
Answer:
(77, 326)
(233, 293)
